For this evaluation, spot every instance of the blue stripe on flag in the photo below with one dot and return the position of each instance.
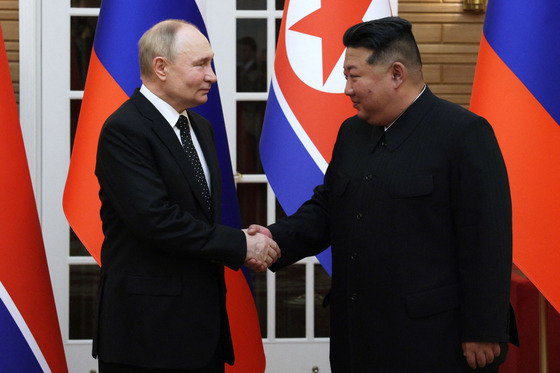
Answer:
(15, 353)
(524, 36)
(287, 163)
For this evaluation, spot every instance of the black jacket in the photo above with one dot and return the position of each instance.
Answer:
(162, 291)
(419, 219)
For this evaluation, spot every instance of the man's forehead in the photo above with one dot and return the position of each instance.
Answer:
(359, 52)
(195, 42)
(355, 57)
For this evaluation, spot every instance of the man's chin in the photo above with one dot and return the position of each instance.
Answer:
(202, 99)
(363, 116)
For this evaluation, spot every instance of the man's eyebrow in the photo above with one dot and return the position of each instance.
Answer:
(203, 59)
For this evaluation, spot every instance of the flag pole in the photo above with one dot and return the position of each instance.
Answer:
(543, 344)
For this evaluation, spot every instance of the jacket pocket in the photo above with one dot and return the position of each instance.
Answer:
(153, 286)
(432, 302)
(412, 186)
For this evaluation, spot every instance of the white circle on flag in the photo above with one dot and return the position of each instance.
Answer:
(305, 52)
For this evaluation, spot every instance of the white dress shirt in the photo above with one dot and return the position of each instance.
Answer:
(172, 116)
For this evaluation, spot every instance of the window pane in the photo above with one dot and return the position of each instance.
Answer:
(76, 246)
(84, 280)
(278, 24)
(280, 4)
(322, 288)
(75, 106)
(250, 116)
(252, 203)
(85, 3)
(251, 4)
(81, 43)
(251, 55)
(290, 302)
(259, 291)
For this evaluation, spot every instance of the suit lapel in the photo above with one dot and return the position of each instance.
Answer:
(169, 139)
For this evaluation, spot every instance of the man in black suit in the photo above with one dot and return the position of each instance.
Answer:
(162, 295)
(416, 206)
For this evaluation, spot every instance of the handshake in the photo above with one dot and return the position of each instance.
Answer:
(262, 250)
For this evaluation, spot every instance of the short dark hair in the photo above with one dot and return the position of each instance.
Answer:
(390, 39)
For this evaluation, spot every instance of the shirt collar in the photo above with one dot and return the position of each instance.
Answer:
(166, 110)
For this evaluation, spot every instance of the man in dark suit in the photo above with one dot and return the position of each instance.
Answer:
(416, 206)
(162, 296)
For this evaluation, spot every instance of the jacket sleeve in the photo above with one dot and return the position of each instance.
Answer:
(483, 223)
(307, 232)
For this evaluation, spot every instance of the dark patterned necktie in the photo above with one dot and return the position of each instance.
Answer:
(192, 155)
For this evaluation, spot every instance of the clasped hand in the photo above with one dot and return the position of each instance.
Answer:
(480, 354)
(262, 250)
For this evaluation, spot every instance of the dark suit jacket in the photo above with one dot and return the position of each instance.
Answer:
(419, 219)
(162, 291)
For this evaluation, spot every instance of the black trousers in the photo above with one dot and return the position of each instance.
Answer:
(216, 365)
(123, 368)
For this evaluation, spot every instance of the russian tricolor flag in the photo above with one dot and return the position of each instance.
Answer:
(113, 75)
(306, 103)
(30, 339)
(516, 89)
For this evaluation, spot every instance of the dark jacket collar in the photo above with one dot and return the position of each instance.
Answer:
(409, 120)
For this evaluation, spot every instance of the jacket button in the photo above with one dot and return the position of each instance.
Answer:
(369, 177)
(354, 297)
(354, 256)
(359, 216)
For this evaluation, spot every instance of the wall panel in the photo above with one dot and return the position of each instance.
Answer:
(448, 38)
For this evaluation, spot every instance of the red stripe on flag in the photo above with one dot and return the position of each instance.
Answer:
(23, 263)
(102, 96)
(249, 355)
(530, 142)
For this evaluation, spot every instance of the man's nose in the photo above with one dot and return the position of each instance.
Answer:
(348, 90)
(211, 76)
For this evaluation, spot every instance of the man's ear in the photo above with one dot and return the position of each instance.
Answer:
(159, 66)
(398, 73)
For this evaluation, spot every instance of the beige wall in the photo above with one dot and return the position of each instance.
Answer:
(10, 29)
(448, 38)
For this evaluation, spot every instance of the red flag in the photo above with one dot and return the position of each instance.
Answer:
(112, 77)
(30, 339)
(516, 89)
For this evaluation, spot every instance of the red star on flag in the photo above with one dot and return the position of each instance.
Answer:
(329, 23)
